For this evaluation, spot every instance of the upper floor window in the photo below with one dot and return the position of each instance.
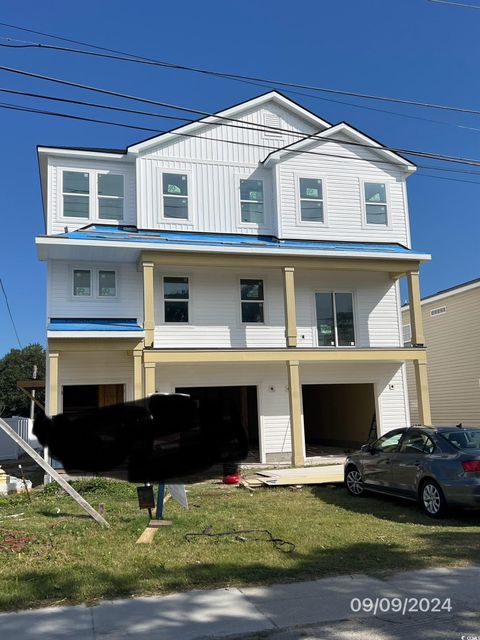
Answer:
(110, 196)
(376, 203)
(335, 322)
(176, 297)
(175, 196)
(92, 195)
(82, 282)
(251, 201)
(311, 200)
(253, 300)
(76, 194)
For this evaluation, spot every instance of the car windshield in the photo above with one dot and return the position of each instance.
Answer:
(463, 438)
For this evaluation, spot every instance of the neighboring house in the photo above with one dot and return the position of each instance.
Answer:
(451, 320)
(257, 260)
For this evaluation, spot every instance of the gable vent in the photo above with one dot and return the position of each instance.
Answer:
(438, 311)
(272, 120)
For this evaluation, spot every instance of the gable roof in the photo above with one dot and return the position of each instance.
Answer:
(232, 112)
(340, 128)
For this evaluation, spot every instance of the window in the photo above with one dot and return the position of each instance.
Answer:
(417, 442)
(110, 196)
(82, 282)
(94, 195)
(175, 196)
(407, 333)
(107, 284)
(76, 194)
(251, 201)
(335, 323)
(388, 443)
(311, 200)
(252, 298)
(375, 203)
(175, 299)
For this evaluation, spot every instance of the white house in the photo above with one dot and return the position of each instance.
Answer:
(255, 253)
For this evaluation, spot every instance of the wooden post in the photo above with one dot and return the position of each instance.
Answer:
(137, 375)
(415, 306)
(295, 401)
(290, 309)
(423, 399)
(52, 473)
(52, 390)
(148, 303)
(149, 368)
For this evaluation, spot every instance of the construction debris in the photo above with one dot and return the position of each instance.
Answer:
(308, 475)
(14, 541)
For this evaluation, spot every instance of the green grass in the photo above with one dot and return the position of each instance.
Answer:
(72, 559)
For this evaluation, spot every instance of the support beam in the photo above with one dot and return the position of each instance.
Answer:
(290, 309)
(137, 375)
(423, 398)
(415, 307)
(148, 303)
(149, 368)
(295, 401)
(52, 383)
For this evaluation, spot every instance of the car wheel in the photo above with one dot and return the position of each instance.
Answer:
(353, 481)
(432, 499)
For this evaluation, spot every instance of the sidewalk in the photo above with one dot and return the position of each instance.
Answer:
(314, 609)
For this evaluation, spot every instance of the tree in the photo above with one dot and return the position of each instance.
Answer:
(18, 364)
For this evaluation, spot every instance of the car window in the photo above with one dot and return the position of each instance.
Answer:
(388, 442)
(417, 442)
(463, 438)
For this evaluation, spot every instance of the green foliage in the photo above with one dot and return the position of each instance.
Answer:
(18, 364)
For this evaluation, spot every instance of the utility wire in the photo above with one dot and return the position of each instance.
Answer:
(10, 313)
(235, 76)
(453, 159)
(22, 108)
(457, 4)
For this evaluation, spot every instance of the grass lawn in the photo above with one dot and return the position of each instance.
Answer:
(72, 559)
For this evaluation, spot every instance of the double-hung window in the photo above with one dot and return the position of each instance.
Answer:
(110, 196)
(94, 195)
(76, 194)
(252, 299)
(176, 297)
(175, 196)
(376, 203)
(251, 201)
(335, 322)
(311, 199)
(84, 283)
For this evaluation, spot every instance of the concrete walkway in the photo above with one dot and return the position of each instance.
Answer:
(308, 610)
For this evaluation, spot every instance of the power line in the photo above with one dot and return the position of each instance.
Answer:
(234, 76)
(453, 159)
(10, 313)
(457, 4)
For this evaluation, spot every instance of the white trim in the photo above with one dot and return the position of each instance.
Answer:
(371, 225)
(92, 285)
(272, 96)
(446, 294)
(58, 151)
(249, 250)
(97, 291)
(95, 334)
(188, 300)
(244, 223)
(253, 324)
(311, 223)
(406, 213)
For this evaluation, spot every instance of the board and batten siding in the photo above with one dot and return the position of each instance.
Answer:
(61, 303)
(215, 309)
(453, 356)
(272, 391)
(344, 208)
(56, 223)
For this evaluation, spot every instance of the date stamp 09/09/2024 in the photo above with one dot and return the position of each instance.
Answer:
(403, 606)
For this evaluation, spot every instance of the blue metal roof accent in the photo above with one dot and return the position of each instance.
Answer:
(134, 235)
(94, 324)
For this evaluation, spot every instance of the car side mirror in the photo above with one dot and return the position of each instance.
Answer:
(367, 448)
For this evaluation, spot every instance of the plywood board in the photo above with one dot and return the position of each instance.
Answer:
(307, 475)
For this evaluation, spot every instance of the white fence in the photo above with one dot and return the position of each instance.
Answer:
(9, 450)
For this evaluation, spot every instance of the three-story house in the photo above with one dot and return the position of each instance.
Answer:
(253, 255)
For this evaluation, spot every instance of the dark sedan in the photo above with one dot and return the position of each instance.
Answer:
(437, 466)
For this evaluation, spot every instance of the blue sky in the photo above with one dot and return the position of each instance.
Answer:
(406, 48)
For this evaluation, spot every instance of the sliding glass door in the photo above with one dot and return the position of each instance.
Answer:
(335, 324)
